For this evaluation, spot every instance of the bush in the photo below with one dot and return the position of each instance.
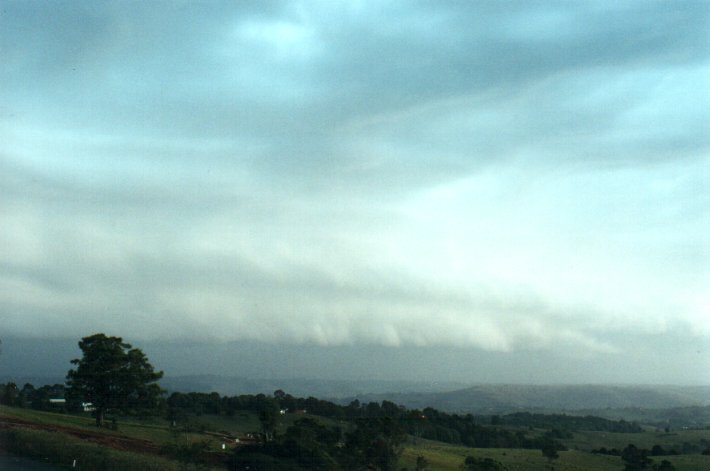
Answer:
(471, 463)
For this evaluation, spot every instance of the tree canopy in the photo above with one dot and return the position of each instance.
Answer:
(113, 375)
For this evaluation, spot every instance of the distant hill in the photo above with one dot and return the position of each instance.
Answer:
(509, 398)
(445, 396)
(454, 397)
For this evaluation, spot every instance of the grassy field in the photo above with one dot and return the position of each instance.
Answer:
(47, 417)
(61, 438)
(204, 429)
(444, 457)
(74, 453)
(155, 430)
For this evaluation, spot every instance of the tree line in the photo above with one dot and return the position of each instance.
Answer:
(30, 397)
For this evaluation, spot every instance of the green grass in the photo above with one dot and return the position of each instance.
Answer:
(239, 424)
(73, 453)
(444, 457)
(42, 417)
(145, 431)
(153, 430)
(158, 430)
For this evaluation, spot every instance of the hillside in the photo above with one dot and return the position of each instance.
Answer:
(506, 398)
(230, 385)
(64, 437)
(199, 426)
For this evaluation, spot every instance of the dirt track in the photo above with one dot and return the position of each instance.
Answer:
(117, 442)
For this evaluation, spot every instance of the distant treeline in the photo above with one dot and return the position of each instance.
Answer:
(686, 448)
(569, 422)
(57, 398)
(29, 397)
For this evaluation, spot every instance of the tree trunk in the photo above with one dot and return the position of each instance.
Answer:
(99, 417)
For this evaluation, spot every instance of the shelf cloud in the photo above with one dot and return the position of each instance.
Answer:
(502, 177)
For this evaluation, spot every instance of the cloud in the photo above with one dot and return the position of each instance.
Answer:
(447, 268)
(500, 177)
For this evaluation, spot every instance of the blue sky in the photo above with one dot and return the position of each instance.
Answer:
(506, 177)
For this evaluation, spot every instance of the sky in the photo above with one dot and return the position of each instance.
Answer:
(489, 182)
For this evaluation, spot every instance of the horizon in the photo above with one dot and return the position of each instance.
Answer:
(513, 192)
(257, 361)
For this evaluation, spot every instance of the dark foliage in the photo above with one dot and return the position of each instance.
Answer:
(472, 463)
(422, 464)
(371, 444)
(665, 466)
(569, 423)
(635, 458)
(113, 376)
(550, 449)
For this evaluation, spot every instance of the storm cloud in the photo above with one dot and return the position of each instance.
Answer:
(496, 176)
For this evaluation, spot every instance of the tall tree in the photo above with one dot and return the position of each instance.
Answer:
(9, 395)
(268, 411)
(113, 375)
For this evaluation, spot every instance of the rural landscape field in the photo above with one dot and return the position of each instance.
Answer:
(196, 442)
(344, 235)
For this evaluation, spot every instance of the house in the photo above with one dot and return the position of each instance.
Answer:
(57, 403)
